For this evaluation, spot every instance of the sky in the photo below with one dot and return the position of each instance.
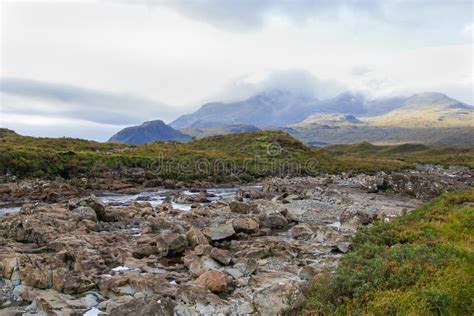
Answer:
(89, 68)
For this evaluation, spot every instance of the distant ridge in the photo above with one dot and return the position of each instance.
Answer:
(222, 130)
(149, 132)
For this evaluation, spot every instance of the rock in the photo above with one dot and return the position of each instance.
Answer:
(149, 306)
(245, 225)
(219, 232)
(241, 207)
(146, 246)
(289, 215)
(196, 237)
(198, 266)
(343, 247)
(278, 298)
(214, 280)
(301, 231)
(169, 184)
(201, 250)
(246, 266)
(84, 212)
(197, 294)
(92, 202)
(275, 221)
(221, 255)
(171, 243)
(357, 217)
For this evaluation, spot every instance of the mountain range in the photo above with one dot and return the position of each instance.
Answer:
(430, 117)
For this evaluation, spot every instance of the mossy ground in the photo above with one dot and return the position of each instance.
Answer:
(238, 157)
(419, 264)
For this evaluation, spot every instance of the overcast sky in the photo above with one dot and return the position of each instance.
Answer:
(87, 69)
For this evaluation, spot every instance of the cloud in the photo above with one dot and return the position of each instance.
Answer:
(360, 71)
(297, 81)
(468, 31)
(235, 15)
(24, 96)
(47, 126)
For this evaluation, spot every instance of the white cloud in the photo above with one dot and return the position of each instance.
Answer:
(468, 31)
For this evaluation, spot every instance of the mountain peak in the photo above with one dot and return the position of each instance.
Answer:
(154, 123)
(149, 131)
(429, 97)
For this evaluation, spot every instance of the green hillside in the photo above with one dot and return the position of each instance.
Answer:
(236, 157)
(418, 264)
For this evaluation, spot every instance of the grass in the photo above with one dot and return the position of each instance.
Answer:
(419, 264)
(235, 157)
(409, 153)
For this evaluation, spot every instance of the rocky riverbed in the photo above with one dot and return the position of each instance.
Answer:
(236, 251)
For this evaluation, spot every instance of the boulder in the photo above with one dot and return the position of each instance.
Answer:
(148, 306)
(275, 221)
(278, 299)
(245, 225)
(240, 207)
(92, 202)
(196, 237)
(214, 280)
(221, 255)
(301, 231)
(219, 232)
(171, 243)
(84, 212)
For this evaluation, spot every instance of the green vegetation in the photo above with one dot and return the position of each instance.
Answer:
(239, 157)
(383, 135)
(410, 153)
(418, 264)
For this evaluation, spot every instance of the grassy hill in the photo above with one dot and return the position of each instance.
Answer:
(418, 264)
(233, 157)
(384, 135)
(410, 153)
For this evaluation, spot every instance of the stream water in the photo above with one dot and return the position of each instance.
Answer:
(155, 198)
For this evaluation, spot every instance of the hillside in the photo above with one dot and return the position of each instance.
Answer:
(425, 118)
(237, 157)
(149, 132)
(328, 120)
(221, 130)
(411, 153)
(419, 264)
(427, 110)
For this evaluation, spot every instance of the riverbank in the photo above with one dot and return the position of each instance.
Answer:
(248, 249)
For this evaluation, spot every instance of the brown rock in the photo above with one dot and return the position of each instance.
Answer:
(221, 255)
(196, 237)
(240, 207)
(219, 232)
(214, 280)
(245, 225)
(171, 243)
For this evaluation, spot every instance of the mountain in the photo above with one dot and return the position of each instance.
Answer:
(149, 132)
(428, 109)
(221, 130)
(271, 108)
(329, 119)
(274, 108)
(428, 118)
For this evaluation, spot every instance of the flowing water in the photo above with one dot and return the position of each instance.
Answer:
(155, 198)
